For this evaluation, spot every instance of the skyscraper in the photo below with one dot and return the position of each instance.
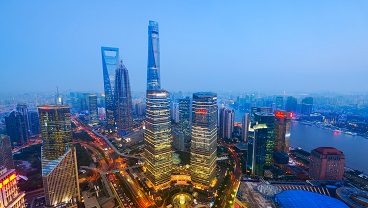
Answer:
(245, 126)
(22, 108)
(279, 103)
(6, 157)
(16, 128)
(282, 131)
(58, 97)
(226, 123)
(204, 138)
(184, 117)
(9, 194)
(326, 163)
(34, 122)
(153, 64)
(307, 105)
(157, 136)
(123, 101)
(92, 109)
(58, 156)
(110, 62)
(178, 139)
(175, 112)
(84, 102)
(291, 104)
(263, 142)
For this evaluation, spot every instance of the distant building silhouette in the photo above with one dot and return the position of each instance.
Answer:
(34, 122)
(307, 106)
(291, 104)
(16, 128)
(279, 103)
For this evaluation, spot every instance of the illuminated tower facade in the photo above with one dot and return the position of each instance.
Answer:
(282, 131)
(203, 148)
(123, 101)
(153, 63)
(157, 136)
(9, 195)
(58, 157)
(110, 62)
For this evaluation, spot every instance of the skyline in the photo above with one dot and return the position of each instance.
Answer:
(309, 41)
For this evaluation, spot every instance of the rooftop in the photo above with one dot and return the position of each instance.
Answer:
(328, 151)
(306, 199)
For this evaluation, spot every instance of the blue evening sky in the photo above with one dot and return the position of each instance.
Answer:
(243, 46)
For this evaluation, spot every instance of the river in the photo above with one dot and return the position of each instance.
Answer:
(355, 148)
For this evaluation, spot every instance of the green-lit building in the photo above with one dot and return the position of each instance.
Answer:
(263, 142)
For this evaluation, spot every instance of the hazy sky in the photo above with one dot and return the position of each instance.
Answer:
(309, 45)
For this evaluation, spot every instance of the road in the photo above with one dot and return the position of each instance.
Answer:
(235, 176)
(139, 198)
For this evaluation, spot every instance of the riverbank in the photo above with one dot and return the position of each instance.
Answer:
(309, 137)
(335, 130)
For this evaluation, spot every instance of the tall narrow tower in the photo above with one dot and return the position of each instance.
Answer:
(153, 64)
(58, 157)
(203, 148)
(123, 101)
(110, 62)
(157, 137)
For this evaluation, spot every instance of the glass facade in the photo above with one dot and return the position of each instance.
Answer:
(184, 116)
(123, 101)
(56, 130)
(58, 156)
(6, 157)
(282, 131)
(153, 64)
(92, 109)
(157, 138)
(110, 62)
(263, 142)
(226, 124)
(203, 150)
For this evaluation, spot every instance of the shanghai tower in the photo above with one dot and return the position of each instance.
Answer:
(157, 136)
(153, 63)
(123, 101)
(110, 62)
